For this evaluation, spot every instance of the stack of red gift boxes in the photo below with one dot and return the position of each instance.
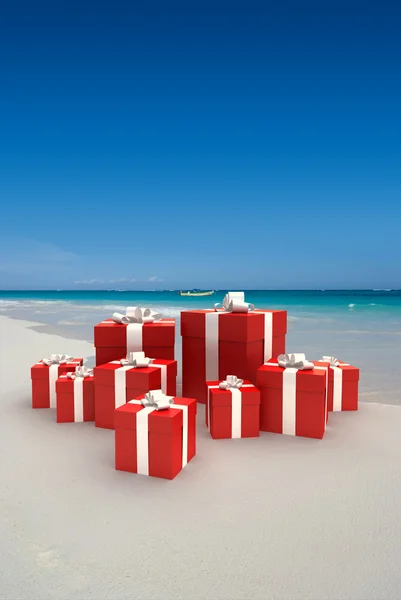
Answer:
(234, 362)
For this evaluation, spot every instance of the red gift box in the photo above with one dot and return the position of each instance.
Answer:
(116, 383)
(44, 377)
(215, 344)
(116, 337)
(293, 401)
(233, 410)
(343, 381)
(75, 396)
(154, 442)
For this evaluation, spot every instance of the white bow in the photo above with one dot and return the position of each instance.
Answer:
(137, 314)
(295, 361)
(157, 400)
(231, 381)
(334, 362)
(57, 359)
(136, 360)
(80, 372)
(235, 302)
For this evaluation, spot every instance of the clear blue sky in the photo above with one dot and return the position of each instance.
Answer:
(200, 144)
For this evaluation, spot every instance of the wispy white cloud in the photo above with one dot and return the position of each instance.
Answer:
(155, 278)
(103, 281)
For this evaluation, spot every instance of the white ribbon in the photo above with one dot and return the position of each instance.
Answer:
(53, 362)
(137, 360)
(155, 400)
(295, 361)
(135, 317)
(291, 363)
(337, 381)
(232, 384)
(235, 302)
(134, 360)
(137, 314)
(57, 359)
(80, 372)
(78, 377)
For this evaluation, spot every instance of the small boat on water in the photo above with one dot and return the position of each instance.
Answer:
(196, 293)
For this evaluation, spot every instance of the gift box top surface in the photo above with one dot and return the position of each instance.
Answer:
(41, 371)
(309, 380)
(168, 421)
(350, 373)
(234, 327)
(158, 333)
(222, 397)
(104, 374)
(64, 383)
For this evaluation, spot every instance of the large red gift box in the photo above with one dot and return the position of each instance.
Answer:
(232, 411)
(293, 401)
(44, 375)
(117, 382)
(115, 338)
(216, 343)
(75, 396)
(343, 380)
(155, 442)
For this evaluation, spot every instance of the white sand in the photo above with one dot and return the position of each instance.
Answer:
(275, 517)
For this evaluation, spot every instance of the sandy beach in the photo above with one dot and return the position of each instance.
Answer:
(275, 517)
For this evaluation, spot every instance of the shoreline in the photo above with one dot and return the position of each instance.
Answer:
(376, 353)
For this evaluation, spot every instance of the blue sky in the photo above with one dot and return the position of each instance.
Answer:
(200, 144)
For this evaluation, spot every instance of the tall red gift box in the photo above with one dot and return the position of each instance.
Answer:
(44, 375)
(139, 329)
(232, 408)
(217, 343)
(120, 380)
(293, 400)
(150, 440)
(343, 381)
(75, 396)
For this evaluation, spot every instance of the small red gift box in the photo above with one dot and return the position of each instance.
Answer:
(75, 396)
(122, 380)
(343, 380)
(151, 439)
(44, 376)
(140, 329)
(293, 400)
(232, 409)
(215, 344)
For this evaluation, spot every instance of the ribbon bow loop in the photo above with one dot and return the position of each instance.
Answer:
(57, 359)
(235, 302)
(295, 361)
(332, 360)
(136, 314)
(137, 360)
(158, 400)
(80, 372)
(231, 381)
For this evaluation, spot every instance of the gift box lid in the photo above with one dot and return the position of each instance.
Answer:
(350, 373)
(41, 371)
(220, 397)
(108, 333)
(168, 422)
(310, 380)
(233, 327)
(137, 377)
(65, 384)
